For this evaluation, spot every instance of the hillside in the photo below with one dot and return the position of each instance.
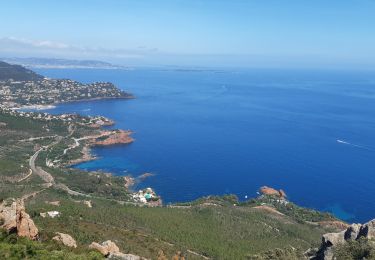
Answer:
(17, 73)
(96, 207)
(20, 87)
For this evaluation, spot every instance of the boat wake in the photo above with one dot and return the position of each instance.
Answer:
(355, 145)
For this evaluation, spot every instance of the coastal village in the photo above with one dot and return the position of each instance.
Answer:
(29, 92)
(103, 138)
(15, 93)
(93, 121)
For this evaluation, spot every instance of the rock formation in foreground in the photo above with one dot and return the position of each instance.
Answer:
(14, 219)
(354, 232)
(65, 239)
(110, 249)
(106, 248)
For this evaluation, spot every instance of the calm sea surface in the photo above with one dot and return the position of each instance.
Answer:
(311, 133)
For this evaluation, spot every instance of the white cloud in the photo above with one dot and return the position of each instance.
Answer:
(13, 46)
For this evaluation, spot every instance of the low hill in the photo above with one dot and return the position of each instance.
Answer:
(17, 73)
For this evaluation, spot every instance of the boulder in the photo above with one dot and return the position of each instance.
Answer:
(16, 220)
(368, 230)
(106, 248)
(352, 232)
(99, 248)
(334, 239)
(87, 203)
(65, 239)
(8, 215)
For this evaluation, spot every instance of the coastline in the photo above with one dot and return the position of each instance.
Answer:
(55, 104)
(35, 107)
(102, 138)
(87, 156)
(130, 96)
(115, 137)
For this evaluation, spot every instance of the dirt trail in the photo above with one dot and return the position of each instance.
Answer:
(27, 176)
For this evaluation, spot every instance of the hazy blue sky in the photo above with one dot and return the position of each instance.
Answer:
(193, 32)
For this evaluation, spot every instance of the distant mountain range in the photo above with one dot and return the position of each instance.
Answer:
(61, 63)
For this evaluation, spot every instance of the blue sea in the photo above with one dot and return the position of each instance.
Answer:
(308, 132)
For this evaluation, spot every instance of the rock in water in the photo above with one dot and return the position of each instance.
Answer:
(265, 190)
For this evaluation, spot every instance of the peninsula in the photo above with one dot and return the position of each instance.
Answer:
(20, 87)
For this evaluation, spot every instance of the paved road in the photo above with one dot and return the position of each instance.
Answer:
(50, 181)
(45, 176)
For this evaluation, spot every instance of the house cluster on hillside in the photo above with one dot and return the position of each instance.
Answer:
(49, 91)
(147, 196)
(92, 121)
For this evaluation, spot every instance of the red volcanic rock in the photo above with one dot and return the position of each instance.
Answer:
(272, 192)
(15, 219)
(116, 137)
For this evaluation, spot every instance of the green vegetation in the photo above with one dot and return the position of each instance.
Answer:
(92, 183)
(292, 210)
(16, 150)
(221, 232)
(356, 250)
(13, 247)
(17, 72)
(219, 227)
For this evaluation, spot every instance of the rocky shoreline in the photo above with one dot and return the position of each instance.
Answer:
(106, 138)
(109, 138)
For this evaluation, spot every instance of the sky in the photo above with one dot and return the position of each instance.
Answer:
(254, 33)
